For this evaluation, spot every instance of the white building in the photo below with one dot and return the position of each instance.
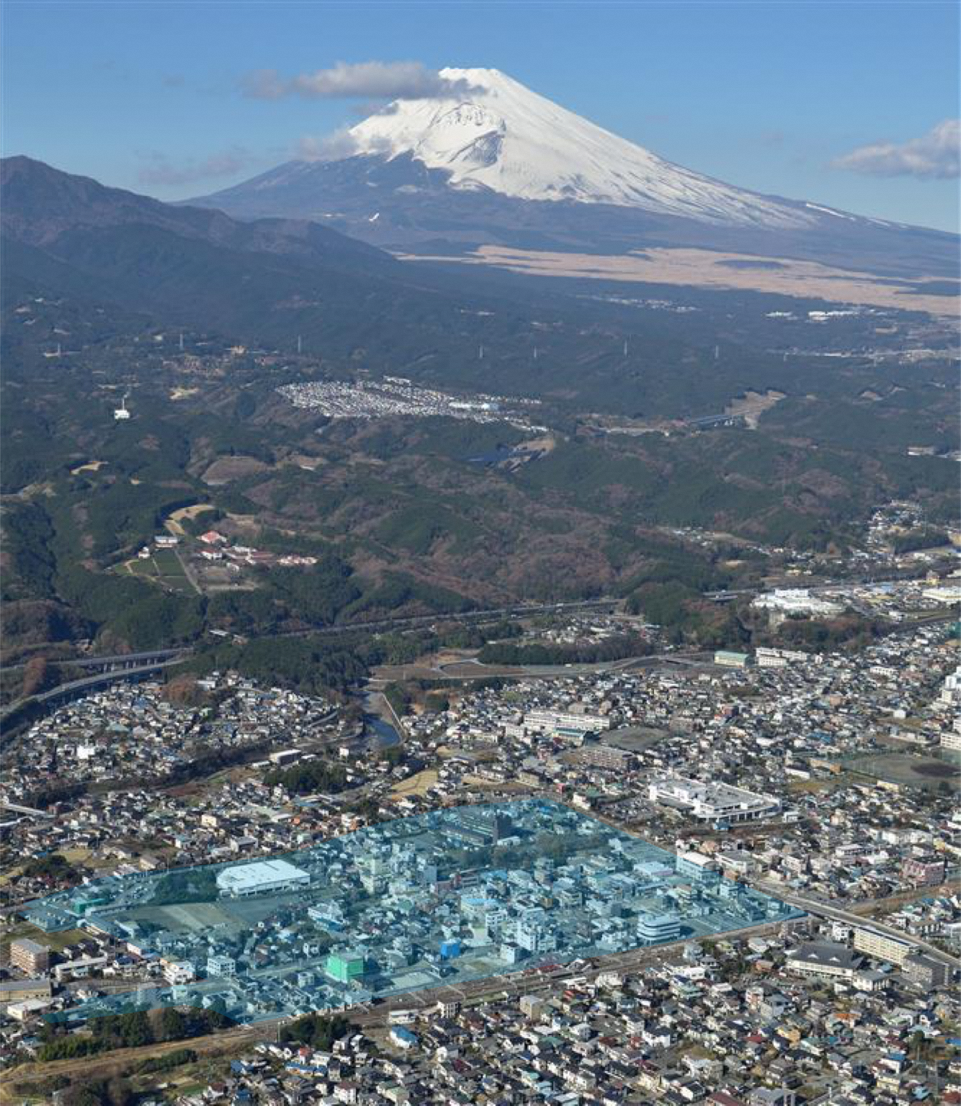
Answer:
(951, 741)
(766, 657)
(654, 928)
(795, 601)
(711, 802)
(697, 865)
(221, 965)
(179, 972)
(553, 721)
(951, 689)
(948, 594)
(260, 878)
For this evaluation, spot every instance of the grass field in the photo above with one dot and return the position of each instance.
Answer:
(55, 941)
(415, 785)
(162, 567)
(811, 787)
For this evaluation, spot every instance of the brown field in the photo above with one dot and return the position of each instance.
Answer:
(225, 469)
(712, 269)
(174, 521)
(228, 1043)
(415, 785)
(752, 405)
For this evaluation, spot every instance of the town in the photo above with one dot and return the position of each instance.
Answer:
(822, 783)
(394, 395)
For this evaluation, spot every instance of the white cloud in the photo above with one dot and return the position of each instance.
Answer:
(330, 147)
(163, 171)
(395, 80)
(936, 154)
(333, 147)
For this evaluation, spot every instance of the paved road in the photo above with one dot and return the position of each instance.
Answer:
(828, 910)
(88, 683)
(521, 609)
(473, 670)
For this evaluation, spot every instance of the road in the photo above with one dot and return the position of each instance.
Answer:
(820, 909)
(87, 683)
(462, 670)
(520, 610)
(119, 667)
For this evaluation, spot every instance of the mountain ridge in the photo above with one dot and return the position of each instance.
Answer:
(520, 144)
(511, 168)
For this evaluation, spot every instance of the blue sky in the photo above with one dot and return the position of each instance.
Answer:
(767, 95)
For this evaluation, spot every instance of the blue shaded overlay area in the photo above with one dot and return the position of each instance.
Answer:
(440, 898)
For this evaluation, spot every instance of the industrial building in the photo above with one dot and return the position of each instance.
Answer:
(448, 897)
(796, 601)
(261, 878)
(711, 802)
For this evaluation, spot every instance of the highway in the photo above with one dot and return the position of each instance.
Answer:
(87, 683)
(520, 610)
(126, 666)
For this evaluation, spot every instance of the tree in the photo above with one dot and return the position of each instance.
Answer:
(317, 1030)
(35, 675)
(170, 1024)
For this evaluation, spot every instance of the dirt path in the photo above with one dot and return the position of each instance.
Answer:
(111, 1063)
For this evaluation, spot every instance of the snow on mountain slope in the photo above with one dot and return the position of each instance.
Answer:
(510, 140)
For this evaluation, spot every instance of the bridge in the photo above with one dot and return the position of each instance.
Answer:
(820, 909)
(121, 661)
(709, 422)
(74, 688)
(482, 615)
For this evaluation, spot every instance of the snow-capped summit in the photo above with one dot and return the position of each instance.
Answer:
(508, 139)
(496, 164)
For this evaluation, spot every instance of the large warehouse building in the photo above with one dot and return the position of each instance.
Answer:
(710, 802)
(260, 878)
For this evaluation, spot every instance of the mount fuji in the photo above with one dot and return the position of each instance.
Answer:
(513, 142)
(503, 166)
